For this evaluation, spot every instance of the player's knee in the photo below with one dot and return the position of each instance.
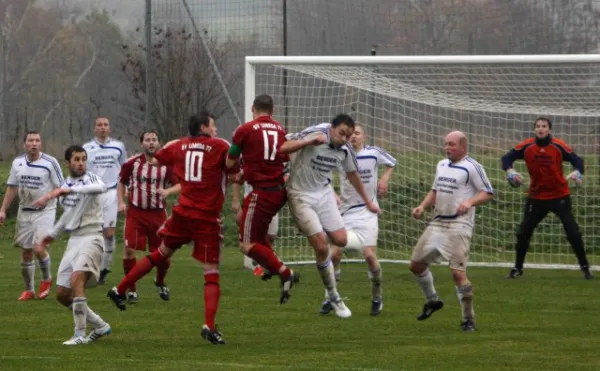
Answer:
(370, 256)
(128, 253)
(245, 247)
(339, 238)
(64, 296)
(524, 234)
(335, 252)
(109, 233)
(460, 277)
(417, 267)
(26, 255)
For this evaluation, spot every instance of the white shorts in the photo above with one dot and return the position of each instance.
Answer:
(83, 254)
(32, 226)
(364, 223)
(110, 208)
(451, 244)
(274, 225)
(315, 212)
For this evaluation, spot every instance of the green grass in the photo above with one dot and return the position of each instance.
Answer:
(547, 320)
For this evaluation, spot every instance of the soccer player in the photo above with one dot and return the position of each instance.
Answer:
(315, 152)
(548, 190)
(80, 265)
(460, 184)
(147, 186)
(198, 162)
(258, 142)
(32, 175)
(357, 218)
(106, 155)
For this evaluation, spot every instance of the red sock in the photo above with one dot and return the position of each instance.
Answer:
(212, 293)
(128, 265)
(161, 271)
(265, 256)
(142, 268)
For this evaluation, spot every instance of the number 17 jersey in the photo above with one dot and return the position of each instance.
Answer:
(199, 165)
(260, 140)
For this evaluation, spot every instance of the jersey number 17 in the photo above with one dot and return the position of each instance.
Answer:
(270, 152)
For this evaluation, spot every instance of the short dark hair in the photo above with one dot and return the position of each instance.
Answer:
(197, 121)
(73, 149)
(342, 118)
(543, 119)
(263, 103)
(148, 132)
(30, 132)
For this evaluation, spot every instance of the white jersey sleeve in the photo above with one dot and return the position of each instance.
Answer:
(13, 180)
(105, 160)
(478, 177)
(82, 207)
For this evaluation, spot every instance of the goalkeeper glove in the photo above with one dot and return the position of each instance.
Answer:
(576, 177)
(514, 179)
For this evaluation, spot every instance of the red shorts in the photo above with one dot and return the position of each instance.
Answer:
(206, 235)
(141, 227)
(258, 209)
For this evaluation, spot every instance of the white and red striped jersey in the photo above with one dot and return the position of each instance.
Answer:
(143, 180)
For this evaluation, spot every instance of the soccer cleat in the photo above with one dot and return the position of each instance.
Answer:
(133, 297)
(76, 340)
(163, 291)
(99, 332)
(586, 273)
(213, 336)
(429, 308)
(119, 300)
(44, 290)
(341, 310)
(376, 307)
(468, 325)
(258, 271)
(514, 272)
(326, 307)
(102, 278)
(26, 295)
(286, 287)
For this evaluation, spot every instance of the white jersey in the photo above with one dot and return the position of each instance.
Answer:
(82, 207)
(35, 179)
(455, 183)
(368, 158)
(311, 167)
(106, 159)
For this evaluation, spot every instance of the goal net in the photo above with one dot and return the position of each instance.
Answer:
(408, 104)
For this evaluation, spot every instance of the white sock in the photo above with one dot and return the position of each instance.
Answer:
(465, 298)
(107, 257)
(28, 273)
(425, 281)
(328, 278)
(80, 311)
(337, 273)
(375, 277)
(93, 319)
(45, 268)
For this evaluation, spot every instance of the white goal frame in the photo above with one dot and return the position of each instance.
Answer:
(250, 93)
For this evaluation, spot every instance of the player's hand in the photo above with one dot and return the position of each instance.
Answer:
(464, 208)
(576, 177)
(382, 188)
(417, 212)
(41, 203)
(373, 208)
(514, 179)
(2, 218)
(163, 192)
(123, 207)
(43, 245)
(319, 139)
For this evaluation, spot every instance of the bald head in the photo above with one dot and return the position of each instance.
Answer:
(455, 145)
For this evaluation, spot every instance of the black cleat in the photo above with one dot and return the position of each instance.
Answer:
(213, 336)
(326, 307)
(133, 297)
(586, 273)
(376, 307)
(514, 272)
(286, 287)
(102, 278)
(119, 300)
(429, 308)
(468, 325)
(266, 275)
(163, 291)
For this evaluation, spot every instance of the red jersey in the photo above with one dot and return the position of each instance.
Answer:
(199, 165)
(259, 141)
(544, 158)
(143, 180)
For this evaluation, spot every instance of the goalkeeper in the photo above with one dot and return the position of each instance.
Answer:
(548, 190)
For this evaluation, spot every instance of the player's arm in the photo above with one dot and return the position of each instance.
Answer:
(573, 159)
(384, 158)
(9, 197)
(121, 197)
(509, 158)
(56, 176)
(124, 177)
(123, 157)
(173, 190)
(356, 182)
(164, 156)
(235, 198)
(294, 143)
(479, 180)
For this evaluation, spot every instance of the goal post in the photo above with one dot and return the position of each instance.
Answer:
(408, 103)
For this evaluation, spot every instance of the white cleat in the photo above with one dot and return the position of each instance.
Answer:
(341, 310)
(98, 333)
(76, 340)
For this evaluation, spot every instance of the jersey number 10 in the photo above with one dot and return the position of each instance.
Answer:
(193, 166)
(269, 153)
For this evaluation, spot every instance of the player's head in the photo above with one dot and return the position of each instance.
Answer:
(76, 158)
(150, 142)
(32, 142)
(543, 126)
(203, 123)
(342, 127)
(262, 106)
(101, 127)
(455, 145)
(358, 137)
